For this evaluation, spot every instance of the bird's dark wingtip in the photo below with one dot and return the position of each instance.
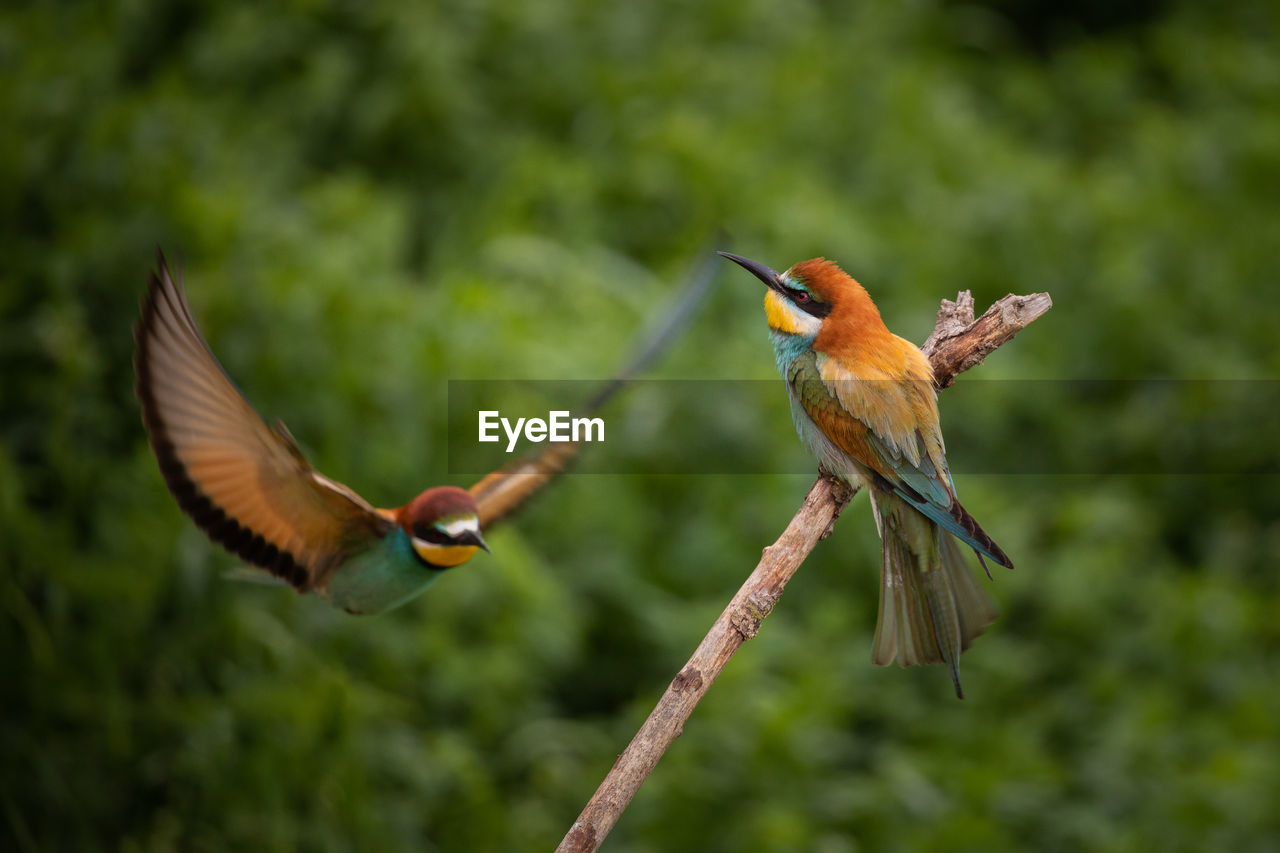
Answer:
(214, 520)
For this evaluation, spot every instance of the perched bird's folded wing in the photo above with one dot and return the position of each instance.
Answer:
(890, 425)
(248, 486)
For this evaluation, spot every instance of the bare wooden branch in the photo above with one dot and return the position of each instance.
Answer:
(958, 343)
(739, 622)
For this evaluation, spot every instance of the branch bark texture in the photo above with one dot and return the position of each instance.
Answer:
(958, 343)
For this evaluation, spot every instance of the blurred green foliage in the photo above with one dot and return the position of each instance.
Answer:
(372, 198)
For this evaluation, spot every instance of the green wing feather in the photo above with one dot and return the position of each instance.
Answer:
(877, 422)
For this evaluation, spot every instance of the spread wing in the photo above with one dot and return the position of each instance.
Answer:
(246, 485)
(504, 491)
(890, 425)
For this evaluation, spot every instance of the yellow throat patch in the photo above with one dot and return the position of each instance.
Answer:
(787, 318)
(445, 556)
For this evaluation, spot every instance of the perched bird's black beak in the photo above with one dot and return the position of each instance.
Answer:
(759, 270)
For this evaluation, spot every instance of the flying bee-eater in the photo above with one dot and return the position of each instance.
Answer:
(251, 490)
(864, 403)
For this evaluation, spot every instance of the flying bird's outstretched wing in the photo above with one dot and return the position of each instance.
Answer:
(504, 491)
(246, 485)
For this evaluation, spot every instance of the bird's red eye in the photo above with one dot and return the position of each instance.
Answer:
(802, 297)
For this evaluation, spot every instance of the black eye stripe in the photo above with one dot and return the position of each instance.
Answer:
(429, 533)
(810, 306)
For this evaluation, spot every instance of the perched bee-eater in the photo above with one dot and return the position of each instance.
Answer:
(250, 489)
(864, 403)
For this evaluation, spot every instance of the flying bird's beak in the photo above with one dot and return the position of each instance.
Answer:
(759, 270)
(473, 537)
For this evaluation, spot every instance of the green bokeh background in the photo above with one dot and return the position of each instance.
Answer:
(370, 199)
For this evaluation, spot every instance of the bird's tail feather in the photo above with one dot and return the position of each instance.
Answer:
(931, 607)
